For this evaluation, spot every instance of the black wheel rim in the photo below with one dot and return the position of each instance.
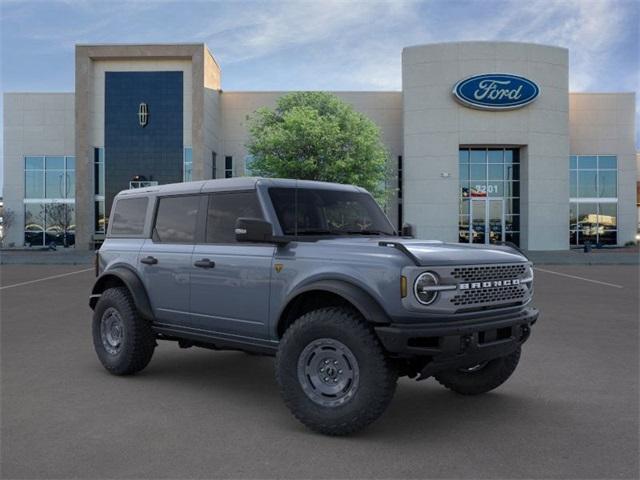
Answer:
(328, 372)
(111, 330)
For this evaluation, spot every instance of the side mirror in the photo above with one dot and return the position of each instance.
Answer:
(406, 230)
(253, 230)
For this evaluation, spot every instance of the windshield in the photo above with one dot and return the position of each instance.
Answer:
(328, 212)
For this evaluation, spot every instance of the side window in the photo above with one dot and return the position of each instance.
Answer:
(128, 216)
(225, 209)
(176, 219)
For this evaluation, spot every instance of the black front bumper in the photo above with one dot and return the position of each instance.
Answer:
(458, 344)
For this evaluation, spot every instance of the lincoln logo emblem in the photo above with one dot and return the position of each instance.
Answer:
(143, 114)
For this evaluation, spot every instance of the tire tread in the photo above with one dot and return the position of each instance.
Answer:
(341, 318)
(141, 342)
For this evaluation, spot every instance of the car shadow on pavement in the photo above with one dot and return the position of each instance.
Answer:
(211, 372)
(425, 407)
(418, 409)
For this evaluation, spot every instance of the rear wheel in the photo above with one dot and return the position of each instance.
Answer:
(480, 378)
(122, 339)
(333, 373)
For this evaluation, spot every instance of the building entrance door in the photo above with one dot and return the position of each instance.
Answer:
(487, 220)
(489, 195)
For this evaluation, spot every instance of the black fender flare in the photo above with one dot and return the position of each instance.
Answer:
(368, 306)
(133, 283)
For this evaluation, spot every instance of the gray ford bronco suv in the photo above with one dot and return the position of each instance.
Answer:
(314, 274)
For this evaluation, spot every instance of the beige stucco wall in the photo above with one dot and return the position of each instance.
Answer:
(604, 124)
(34, 124)
(203, 167)
(212, 136)
(211, 70)
(436, 125)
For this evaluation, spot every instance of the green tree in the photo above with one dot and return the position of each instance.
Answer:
(317, 136)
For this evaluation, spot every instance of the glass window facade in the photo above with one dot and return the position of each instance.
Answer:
(489, 195)
(49, 200)
(51, 177)
(593, 187)
(34, 224)
(228, 166)
(100, 218)
(187, 165)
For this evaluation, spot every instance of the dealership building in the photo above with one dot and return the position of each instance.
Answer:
(485, 140)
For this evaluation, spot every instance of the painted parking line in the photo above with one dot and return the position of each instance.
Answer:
(44, 279)
(578, 278)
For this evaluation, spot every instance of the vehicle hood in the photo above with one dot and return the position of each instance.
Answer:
(440, 253)
(433, 252)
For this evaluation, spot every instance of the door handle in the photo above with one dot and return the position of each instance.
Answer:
(204, 263)
(149, 260)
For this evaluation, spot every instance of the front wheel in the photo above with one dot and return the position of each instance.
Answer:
(480, 378)
(333, 373)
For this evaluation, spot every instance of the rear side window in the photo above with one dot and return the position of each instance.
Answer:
(225, 209)
(176, 219)
(128, 216)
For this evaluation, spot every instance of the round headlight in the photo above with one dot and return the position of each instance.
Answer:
(423, 288)
(528, 273)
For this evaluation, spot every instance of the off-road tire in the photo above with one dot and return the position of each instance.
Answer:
(377, 375)
(489, 377)
(138, 341)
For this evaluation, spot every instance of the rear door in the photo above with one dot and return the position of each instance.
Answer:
(230, 282)
(165, 259)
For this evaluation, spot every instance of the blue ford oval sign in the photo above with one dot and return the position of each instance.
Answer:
(496, 91)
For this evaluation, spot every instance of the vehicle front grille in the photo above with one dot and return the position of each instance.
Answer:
(508, 294)
(486, 292)
(490, 272)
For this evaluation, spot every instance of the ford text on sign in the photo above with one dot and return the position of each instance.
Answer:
(496, 91)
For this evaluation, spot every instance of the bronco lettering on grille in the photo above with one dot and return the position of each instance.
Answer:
(491, 284)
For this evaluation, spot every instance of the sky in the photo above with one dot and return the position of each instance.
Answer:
(317, 45)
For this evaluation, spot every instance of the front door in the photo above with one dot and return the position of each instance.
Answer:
(230, 282)
(487, 220)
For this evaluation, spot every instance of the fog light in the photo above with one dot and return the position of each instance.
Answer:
(425, 288)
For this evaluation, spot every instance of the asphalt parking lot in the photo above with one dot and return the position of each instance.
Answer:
(569, 411)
